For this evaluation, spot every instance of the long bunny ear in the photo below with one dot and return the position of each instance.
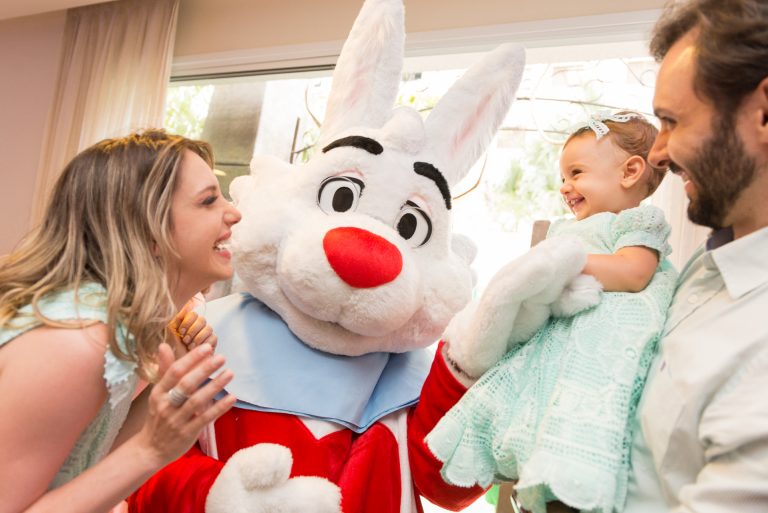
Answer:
(465, 119)
(367, 74)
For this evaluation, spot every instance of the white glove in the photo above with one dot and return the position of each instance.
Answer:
(518, 301)
(256, 480)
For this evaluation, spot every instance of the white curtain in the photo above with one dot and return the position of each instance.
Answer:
(686, 236)
(114, 71)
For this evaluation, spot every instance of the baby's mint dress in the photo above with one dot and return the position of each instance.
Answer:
(554, 412)
(119, 376)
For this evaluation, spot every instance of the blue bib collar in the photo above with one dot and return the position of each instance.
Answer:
(277, 372)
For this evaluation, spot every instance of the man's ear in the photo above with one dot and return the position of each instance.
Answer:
(761, 94)
(632, 171)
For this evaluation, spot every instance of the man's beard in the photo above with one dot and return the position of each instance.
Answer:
(720, 171)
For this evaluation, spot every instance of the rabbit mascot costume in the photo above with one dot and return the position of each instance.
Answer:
(351, 271)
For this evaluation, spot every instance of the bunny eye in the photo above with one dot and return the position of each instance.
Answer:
(414, 225)
(339, 194)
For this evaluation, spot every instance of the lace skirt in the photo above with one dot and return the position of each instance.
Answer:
(553, 413)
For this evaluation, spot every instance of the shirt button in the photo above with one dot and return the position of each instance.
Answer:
(693, 298)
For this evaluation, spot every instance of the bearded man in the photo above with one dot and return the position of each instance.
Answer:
(702, 443)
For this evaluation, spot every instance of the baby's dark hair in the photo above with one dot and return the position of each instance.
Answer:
(635, 136)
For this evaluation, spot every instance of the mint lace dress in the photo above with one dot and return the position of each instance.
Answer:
(554, 412)
(119, 376)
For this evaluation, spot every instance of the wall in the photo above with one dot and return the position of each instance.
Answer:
(19, 8)
(225, 25)
(29, 62)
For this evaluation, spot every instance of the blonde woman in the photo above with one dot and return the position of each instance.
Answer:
(134, 228)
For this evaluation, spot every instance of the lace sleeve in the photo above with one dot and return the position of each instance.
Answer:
(119, 375)
(642, 226)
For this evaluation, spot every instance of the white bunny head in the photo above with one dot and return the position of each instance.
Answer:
(354, 249)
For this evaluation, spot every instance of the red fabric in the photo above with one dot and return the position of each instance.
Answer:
(361, 258)
(440, 392)
(366, 466)
(180, 487)
(325, 457)
(371, 478)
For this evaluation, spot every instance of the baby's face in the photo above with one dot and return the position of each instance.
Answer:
(592, 172)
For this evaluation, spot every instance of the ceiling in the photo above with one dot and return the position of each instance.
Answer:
(17, 8)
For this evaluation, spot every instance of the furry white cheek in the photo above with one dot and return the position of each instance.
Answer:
(313, 287)
(380, 311)
(446, 304)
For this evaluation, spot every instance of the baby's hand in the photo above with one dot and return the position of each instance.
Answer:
(190, 328)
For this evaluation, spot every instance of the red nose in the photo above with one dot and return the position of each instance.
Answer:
(361, 258)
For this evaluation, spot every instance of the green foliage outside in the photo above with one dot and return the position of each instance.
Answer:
(531, 187)
(186, 109)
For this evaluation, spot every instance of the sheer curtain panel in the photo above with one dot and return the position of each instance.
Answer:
(114, 72)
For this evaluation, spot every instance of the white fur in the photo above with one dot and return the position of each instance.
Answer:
(255, 480)
(518, 301)
(581, 293)
(367, 74)
(462, 124)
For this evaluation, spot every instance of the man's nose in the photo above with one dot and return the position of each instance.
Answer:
(658, 156)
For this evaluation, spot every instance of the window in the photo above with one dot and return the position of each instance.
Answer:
(514, 184)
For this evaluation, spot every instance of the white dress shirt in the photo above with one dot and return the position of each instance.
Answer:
(703, 446)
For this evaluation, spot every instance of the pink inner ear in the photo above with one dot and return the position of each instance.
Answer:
(469, 127)
(349, 104)
(348, 98)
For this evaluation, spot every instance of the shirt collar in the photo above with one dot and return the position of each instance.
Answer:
(741, 262)
(719, 238)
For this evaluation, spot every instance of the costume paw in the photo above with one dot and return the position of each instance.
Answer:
(517, 302)
(256, 480)
(581, 293)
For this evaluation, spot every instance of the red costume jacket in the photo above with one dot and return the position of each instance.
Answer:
(382, 470)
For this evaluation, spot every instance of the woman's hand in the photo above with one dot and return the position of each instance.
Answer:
(181, 402)
(190, 329)
(170, 426)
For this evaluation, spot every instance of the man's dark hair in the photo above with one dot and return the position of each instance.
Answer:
(731, 46)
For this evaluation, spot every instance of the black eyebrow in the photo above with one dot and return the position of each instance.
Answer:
(357, 141)
(429, 171)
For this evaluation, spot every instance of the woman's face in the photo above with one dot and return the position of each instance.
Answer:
(201, 225)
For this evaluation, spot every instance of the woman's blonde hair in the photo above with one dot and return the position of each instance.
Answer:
(108, 221)
(636, 137)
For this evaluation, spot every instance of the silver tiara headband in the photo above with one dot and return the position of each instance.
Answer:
(596, 122)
